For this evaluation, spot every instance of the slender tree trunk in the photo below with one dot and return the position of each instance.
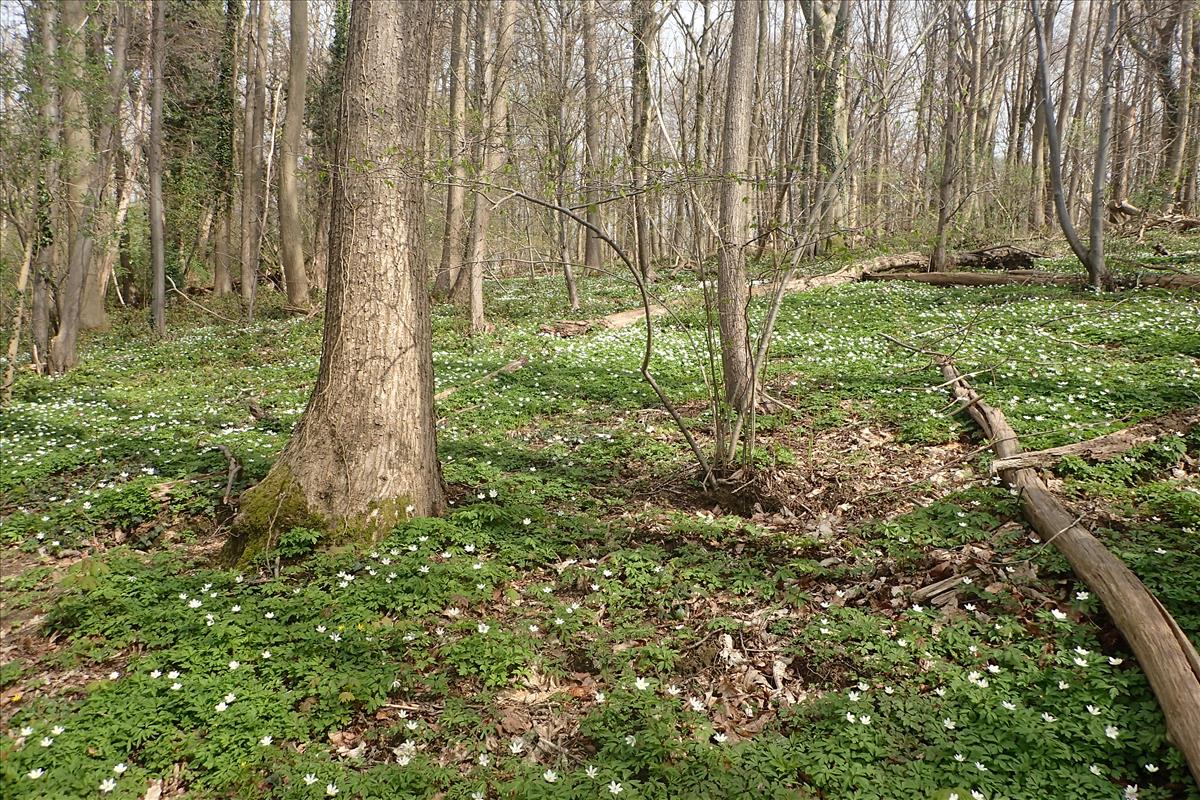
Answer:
(733, 292)
(591, 137)
(224, 244)
(451, 261)
(643, 17)
(363, 456)
(76, 163)
(291, 234)
(158, 303)
(495, 127)
(950, 134)
(253, 200)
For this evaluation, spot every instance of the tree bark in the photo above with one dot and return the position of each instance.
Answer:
(291, 234)
(643, 19)
(451, 261)
(74, 171)
(591, 138)
(158, 301)
(363, 456)
(223, 245)
(494, 156)
(733, 221)
(950, 135)
(829, 22)
(1163, 650)
(252, 151)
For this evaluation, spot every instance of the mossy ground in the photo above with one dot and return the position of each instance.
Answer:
(583, 617)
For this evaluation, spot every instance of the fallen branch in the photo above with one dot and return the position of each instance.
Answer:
(235, 467)
(507, 369)
(1164, 651)
(1108, 445)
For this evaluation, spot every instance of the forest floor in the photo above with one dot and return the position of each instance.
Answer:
(583, 622)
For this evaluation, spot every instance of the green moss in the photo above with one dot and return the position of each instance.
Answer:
(278, 504)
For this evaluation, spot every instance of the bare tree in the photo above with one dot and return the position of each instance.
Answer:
(591, 137)
(643, 30)
(253, 195)
(451, 260)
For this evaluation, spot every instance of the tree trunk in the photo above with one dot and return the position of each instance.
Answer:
(829, 22)
(363, 456)
(76, 160)
(495, 126)
(643, 17)
(158, 302)
(252, 150)
(451, 261)
(223, 246)
(591, 138)
(733, 221)
(950, 135)
(291, 234)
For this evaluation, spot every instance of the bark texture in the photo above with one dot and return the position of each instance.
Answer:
(363, 456)
(291, 235)
(733, 293)
(451, 261)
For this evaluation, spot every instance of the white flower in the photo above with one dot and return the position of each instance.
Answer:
(615, 788)
(1009, 706)
(1048, 717)
(221, 706)
(266, 741)
(266, 654)
(234, 665)
(1095, 769)
(851, 718)
(940, 691)
(235, 609)
(269, 615)
(600, 697)
(980, 767)
(1116, 662)
(550, 776)
(173, 674)
(331, 789)
(176, 686)
(229, 698)
(194, 603)
(107, 785)
(948, 723)
(591, 772)
(483, 627)
(120, 768)
(534, 629)
(112, 676)
(631, 740)
(46, 741)
(1058, 615)
(1151, 767)
(484, 759)
(1093, 710)
(696, 703)
(58, 730)
(853, 697)
(516, 745)
(310, 779)
(865, 719)
(1081, 596)
(156, 673)
(673, 690)
(26, 731)
(1112, 732)
(34, 774)
(527, 521)
(720, 738)
(959, 757)
(642, 684)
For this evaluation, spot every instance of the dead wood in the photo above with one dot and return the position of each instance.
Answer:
(1162, 649)
(507, 369)
(1108, 445)
(235, 467)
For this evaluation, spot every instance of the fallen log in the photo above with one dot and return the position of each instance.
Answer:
(1021, 277)
(1108, 445)
(1162, 649)
(507, 369)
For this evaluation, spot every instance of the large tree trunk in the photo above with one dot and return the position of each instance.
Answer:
(451, 261)
(158, 301)
(291, 235)
(363, 456)
(733, 223)
(76, 163)
(829, 22)
(591, 137)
